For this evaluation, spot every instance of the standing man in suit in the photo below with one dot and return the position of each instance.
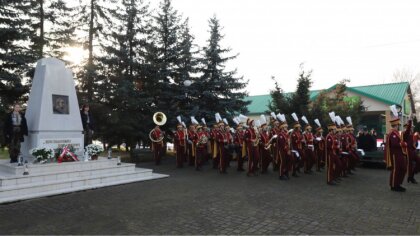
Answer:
(15, 127)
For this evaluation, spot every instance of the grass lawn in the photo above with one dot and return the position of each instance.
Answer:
(4, 154)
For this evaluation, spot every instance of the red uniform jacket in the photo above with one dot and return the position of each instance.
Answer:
(250, 137)
(309, 138)
(198, 138)
(283, 143)
(393, 146)
(296, 140)
(333, 146)
(179, 139)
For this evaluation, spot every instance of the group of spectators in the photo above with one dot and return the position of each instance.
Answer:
(366, 140)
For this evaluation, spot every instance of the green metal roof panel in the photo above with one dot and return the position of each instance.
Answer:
(259, 103)
(313, 94)
(392, 93)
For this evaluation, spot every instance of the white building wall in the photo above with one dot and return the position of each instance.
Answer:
(369, 103)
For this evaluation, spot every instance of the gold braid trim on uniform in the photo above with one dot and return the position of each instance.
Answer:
(243, 154)
(215, 149)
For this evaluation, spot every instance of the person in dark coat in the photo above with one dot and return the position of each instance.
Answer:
(15, 127)
(361, 140)
(88, 124)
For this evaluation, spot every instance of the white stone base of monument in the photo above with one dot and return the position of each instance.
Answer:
(58, 178)
(43, 139)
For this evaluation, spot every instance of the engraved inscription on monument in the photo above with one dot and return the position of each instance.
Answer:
(61, 142)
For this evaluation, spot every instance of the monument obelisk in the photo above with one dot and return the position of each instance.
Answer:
(53, 113)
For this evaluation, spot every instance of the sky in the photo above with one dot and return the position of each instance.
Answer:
(364, 41)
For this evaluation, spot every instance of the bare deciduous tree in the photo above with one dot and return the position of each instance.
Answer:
(408, 75)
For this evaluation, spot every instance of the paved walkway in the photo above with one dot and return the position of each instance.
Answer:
(191, 202)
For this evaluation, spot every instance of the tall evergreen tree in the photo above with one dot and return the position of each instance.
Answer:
(120, 95)
(14, 54)
(221, 90)
(62, 31)
(94, 18)
(164, 83)
(187, 68)
(300, 99)
(52, 27)
(38, 15)
(279, 101)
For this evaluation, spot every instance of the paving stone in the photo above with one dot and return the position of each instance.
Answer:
(191, 202)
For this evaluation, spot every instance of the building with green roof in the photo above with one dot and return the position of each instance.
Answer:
(376, 98)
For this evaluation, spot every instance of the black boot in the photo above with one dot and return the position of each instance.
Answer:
(411, 180)
(283, 177)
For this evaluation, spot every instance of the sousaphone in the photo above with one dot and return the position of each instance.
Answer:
(159, 118)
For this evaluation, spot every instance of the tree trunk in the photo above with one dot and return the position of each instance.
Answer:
(41, 28)
(89, 78)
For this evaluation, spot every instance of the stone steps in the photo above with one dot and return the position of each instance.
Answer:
(12, 169)
(52, 179)
(46, 177)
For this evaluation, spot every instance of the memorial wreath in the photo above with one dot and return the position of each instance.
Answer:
(66, 154)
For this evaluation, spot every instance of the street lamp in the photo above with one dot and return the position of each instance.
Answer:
(187, 84)
(399, 109)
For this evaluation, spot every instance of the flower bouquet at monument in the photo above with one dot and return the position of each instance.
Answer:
(93, 150)
(42, 155)
(66, 154)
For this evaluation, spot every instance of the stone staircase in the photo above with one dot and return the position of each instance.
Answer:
(58, 178)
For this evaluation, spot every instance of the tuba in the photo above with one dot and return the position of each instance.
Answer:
(159, 118)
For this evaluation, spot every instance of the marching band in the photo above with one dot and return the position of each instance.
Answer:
(262, 143)
(268, 140)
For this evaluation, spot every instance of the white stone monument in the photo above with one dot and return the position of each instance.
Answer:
(53, 114)
(54, 120)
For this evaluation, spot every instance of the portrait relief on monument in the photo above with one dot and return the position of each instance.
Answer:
(60, 104)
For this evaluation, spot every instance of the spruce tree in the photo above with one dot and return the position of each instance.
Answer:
(121, 97)
(300, 99)
(94, 19)
(14, 54)
(52, 27)
(62, 31)
(37, 13)
(164, 83)
(279, 102)
(186, 70)
(221, 90)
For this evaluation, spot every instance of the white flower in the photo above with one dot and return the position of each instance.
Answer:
(93, 149)
(41, 153)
